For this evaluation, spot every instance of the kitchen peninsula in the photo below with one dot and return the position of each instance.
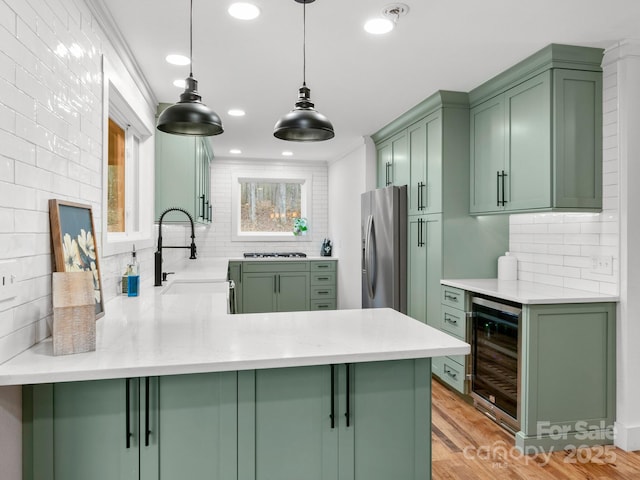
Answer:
(179, 388)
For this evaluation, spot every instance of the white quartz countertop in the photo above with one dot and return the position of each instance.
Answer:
(528, 292)
(164, 334)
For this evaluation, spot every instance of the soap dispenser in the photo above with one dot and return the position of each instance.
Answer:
(133, 275)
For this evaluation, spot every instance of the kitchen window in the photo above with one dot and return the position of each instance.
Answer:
(128, 147)
(266, 207)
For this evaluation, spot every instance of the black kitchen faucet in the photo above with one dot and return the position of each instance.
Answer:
(158, 273)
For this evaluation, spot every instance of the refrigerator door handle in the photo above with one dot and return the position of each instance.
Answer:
(367, 256)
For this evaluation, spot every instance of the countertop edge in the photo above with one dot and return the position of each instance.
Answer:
(568, 295)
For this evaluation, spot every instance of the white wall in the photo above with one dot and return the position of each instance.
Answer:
(51, 141)
(215, 240)
(346, 184)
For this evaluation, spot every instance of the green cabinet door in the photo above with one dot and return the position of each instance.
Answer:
(488, 144)
(389, 431)
(285, 430)
(528, 122)
(196, 426)
(435, 259)
(417, 269)
(259, 292)
(384, 162)
(293, 292)
(79, 430)
(417, 189)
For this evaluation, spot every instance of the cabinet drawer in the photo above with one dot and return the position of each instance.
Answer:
(453, 374)
(454, 321)
(453, 297)
(276, 267)
(323, 266)
(328, 278)
(328, 304)
(320, 292)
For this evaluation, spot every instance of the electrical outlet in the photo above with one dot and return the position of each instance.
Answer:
(602, 265)
(8, 280)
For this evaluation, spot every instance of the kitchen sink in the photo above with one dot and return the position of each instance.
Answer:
(182, 287)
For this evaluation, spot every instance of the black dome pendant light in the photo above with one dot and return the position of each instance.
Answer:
(304, 123)
(190, 116)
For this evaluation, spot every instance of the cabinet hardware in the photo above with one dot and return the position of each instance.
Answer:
(450, 320)
(322, 305)
(451, 373)
(421, 195)
(323, 278)
(202, 199)
(322, 266)
(147, 432)
(127, 415)
(500, 176)
(421, 224)
(503, 194)
(348, 412)
(333, 398)
(322, 292)
(497, 188)
(448, 296)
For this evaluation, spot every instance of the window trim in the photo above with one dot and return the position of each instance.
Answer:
(118, 104)
(306, 193)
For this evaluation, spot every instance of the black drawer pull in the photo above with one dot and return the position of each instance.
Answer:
(451, 373)
(322, 278)
(322, 305)
(453, 298)
(450, 320)
(322, 292)
(322, 266)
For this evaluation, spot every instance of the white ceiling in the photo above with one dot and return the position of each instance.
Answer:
(359, 81)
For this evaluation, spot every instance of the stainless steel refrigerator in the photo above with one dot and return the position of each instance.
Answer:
(384, 248)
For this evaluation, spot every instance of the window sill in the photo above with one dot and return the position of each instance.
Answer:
(117, 243)
(269, 237)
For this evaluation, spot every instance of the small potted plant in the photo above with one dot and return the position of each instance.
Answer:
(300, 226)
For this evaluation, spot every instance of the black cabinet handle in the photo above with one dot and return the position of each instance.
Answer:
(210, 213)
(453, 298)
(451, 373)
(498, 188)
(128, 411)
(323, 278)
(322, 266)
(348, 412)
(202, 199)
(421, 223)
(503, 194)
(450, 320)
(332, 415)
(147, 431)
(421, 195)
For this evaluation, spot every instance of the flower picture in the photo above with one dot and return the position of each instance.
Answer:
(74, 244)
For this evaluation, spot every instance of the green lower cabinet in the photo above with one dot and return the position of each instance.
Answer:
(141, 428)
(364, 421)
(568, 375)
(275, 292)
(234, 272)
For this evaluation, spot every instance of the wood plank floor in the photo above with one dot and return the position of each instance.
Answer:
(468, 446)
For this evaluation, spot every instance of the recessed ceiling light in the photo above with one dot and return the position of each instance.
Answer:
(243, 11)
(174, 59)
(235, 151)
(179, 83)
(236, 112)
(378, 26)
(287, 153)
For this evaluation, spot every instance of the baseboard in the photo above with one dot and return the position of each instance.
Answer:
(627, 437)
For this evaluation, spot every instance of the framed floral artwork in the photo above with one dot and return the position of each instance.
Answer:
(74, 243)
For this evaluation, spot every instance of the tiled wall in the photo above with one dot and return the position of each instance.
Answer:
(558, 248)
(50, 147)
(215, 240)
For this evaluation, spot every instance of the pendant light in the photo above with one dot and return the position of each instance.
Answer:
(304, 123)
(190, 116)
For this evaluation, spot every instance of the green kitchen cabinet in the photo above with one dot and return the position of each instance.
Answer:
(275, 286)
(393, 161)
(138, 428)
(358, 421)
(425, 158)
(284, 286)
(443, 240)
(424, 267)
(536, 135)
(568, 378)
(182, 177)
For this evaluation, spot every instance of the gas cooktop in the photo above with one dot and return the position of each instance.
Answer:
(275, 254)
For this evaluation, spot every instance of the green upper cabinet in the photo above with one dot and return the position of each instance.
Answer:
(425, 159)
(182, 177)
(393, 161)
(536, 135)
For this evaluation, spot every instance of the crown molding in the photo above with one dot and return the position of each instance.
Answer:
(108, 24)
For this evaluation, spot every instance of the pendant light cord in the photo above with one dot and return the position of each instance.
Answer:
(304, 44)
(191, 41)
